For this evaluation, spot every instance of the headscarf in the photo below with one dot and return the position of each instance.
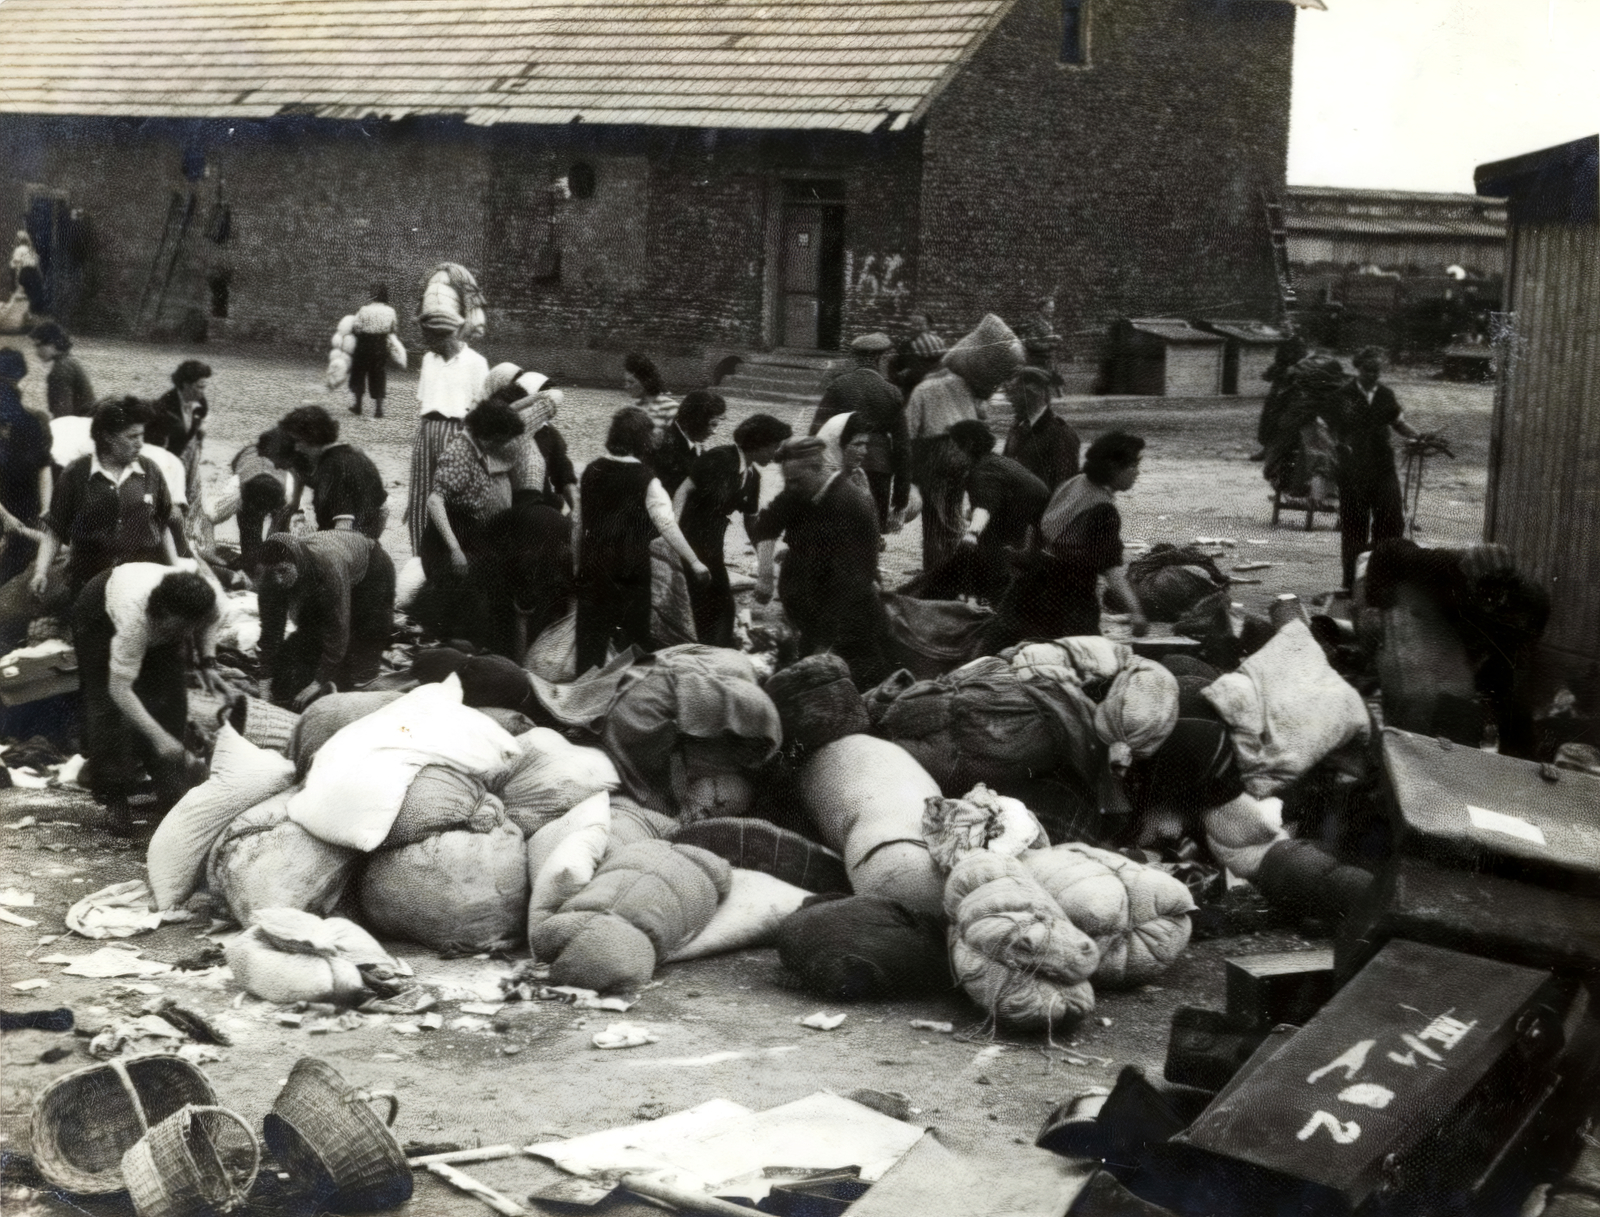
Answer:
(511, 384)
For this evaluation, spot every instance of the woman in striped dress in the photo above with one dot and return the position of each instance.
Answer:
(452, 380)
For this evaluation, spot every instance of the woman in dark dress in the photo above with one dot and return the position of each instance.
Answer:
(721, 482)
(346, 488)
(1054, 592)
(684, 439)
(177, 420)
(622, 508)
(25, 471)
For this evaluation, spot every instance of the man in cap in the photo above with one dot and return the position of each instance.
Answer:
(917, 354)
(880, 413)
(1040, 440)
(829, 582)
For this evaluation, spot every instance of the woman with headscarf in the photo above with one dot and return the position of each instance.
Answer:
(642, 381)
(544, 471)
(622, 508)
(338, 589)
(720, 482)
(25, 471)
(453, 379)
(484, 557)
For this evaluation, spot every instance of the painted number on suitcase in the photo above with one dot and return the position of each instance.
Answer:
(1343, 1132)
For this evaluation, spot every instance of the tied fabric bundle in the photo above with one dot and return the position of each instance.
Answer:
(262, 859)
(987, 357)
(984, 820)
(865, 948)
(1075, 662)
(1138, 712)
(453, 891)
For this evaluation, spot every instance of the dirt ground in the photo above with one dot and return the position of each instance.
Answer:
(727, 1027)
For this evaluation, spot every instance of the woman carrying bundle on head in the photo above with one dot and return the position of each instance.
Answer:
(543, 471)
(622, 508)
(722, 481)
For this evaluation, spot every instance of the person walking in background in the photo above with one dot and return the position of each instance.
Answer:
(1370, 506)
(134, 628)
(111, 506)
(452, 380)
(828, 583)
(622, 508)
(25, 471)
(686, 435)
(346, 488)
(338, 589)
(177, 420)
(916, 355)
(721, 482)
(642, 381)
(66, 387)
(369, 365)
(1040, 440)
(27, 274)
(879, 411)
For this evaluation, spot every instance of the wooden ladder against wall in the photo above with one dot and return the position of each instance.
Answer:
(1279, 236)
(169, 253)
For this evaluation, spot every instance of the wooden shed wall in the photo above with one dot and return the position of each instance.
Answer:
(1544, 460)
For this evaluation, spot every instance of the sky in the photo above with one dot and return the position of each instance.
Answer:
(1415, 94)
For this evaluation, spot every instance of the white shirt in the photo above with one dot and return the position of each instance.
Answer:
(452, 387)
(128, 605)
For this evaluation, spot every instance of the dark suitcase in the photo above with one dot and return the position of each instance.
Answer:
(1206, 1048)
(1103, 1196)
(1479, 914)
(1477, 810)
(1404, 1091)
(1280, 987)
(1138, 1113)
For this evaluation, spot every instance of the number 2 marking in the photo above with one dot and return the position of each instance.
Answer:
(1343, 1133)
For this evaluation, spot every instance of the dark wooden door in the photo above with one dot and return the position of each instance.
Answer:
(799, 297)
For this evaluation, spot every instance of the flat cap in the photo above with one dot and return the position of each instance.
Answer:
(871, 344)
(803, 448)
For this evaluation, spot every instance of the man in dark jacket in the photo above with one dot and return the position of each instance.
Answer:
(1040, 440)
(863, 391)
(1370, 508)
(829, 583)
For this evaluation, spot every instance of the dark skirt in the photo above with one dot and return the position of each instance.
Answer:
(118, 754)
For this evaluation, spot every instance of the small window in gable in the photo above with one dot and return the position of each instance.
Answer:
(1074, 31)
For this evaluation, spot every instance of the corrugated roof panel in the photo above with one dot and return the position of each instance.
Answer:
(850, 64)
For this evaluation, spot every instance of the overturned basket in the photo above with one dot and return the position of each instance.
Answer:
(198, 1160)
(325, 1135)
(85, 1121)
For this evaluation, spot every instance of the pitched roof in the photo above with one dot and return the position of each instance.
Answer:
(852, 65)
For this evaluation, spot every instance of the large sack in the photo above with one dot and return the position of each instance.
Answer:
(866, 797)
(1013, 949)
(264, 860)
(646, 902)
(328, 715)
(487, 681)
(287, 955)
(954, 828)
(1138, 713)
(360, 777)
(752, 844)
(1170, 580)
(1137, 915)
(442, 800)
(749, 916)
(1070, 661)
(987, 357)
(865, 948)
(1241, 832)
(457, 891)
(985, 723)
(241, 776)
(817, 701)
(688, 694)
(1287, 709)
(929, 637)
(553, 655)
(549, 777)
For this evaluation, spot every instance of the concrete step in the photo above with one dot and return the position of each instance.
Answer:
(757, 379)
(728, 389)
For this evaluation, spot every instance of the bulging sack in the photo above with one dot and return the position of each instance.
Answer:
(327, 716)
(549, 777)
(360, 777)
(864, 948)
(817, 702)
(443, 800)
(866, 798)
(241, 776)
(454, 891)
(1138, 712)
(265, 860)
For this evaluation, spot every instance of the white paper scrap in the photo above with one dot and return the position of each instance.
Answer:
(1510, 826)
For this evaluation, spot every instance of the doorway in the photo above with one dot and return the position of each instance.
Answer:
(58, 235)
(811, 266)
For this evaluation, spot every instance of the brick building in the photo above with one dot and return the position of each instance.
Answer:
(692, 180)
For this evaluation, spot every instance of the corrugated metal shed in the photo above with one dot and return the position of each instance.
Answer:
(851, 65)
(1544, 452)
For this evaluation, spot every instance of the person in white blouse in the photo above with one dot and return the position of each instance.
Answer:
(452, 380)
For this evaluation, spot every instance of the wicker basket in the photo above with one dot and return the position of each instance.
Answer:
(198, 1160)
(86, 1120)
(333, 1145)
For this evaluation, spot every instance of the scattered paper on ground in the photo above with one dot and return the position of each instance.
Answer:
(108, 962)
(119, 911)
(12, 898)
(625, 1035)
(822, 1021)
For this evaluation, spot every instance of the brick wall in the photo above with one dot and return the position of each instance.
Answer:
(1127, 186)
